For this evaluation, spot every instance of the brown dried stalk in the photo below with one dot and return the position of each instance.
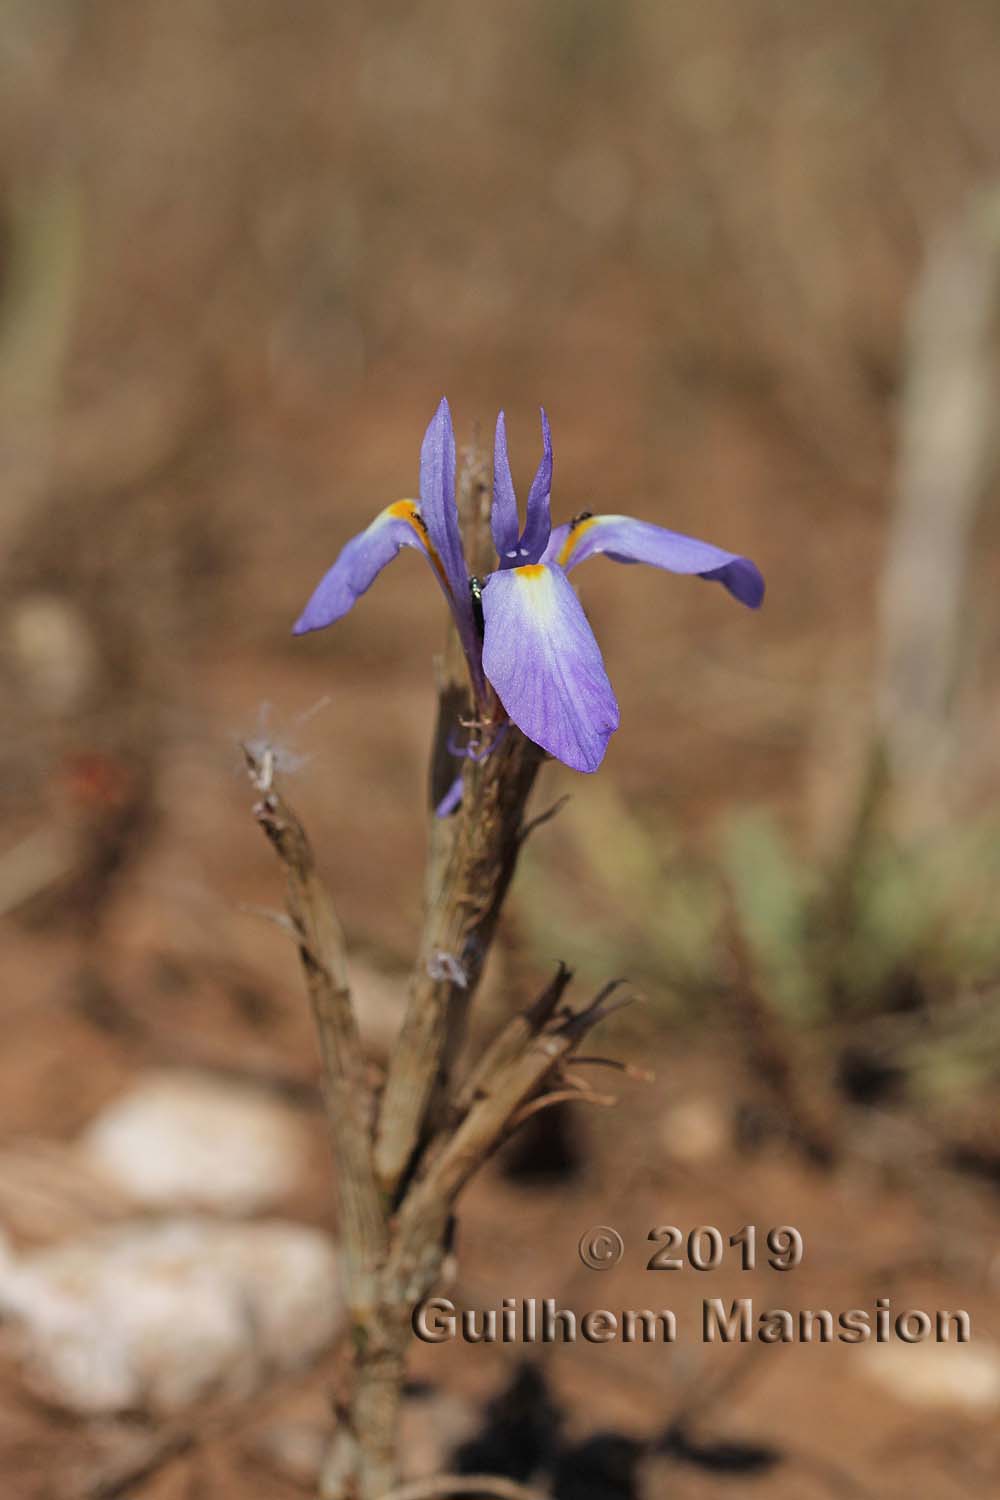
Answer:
(392, 1264)
(471, 861)
(321, 950)
(399, 1177)
(456, 1153)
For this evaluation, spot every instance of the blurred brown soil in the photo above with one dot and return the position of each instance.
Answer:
(868, 1232)
(836, 1433)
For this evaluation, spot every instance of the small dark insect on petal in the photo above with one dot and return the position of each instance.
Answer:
(476, 595)
(585, 515)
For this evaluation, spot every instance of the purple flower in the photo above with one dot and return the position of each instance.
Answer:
(523, 629)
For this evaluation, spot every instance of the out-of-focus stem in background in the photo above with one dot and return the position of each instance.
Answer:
(947, 423)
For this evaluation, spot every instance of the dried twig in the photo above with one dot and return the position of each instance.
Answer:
(455, 1155)
(542, 818)
(321, 950)
(562, 1096)
(630, 1070)
(512, 1040)
(390, 1267)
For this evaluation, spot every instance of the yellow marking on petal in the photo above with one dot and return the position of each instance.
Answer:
(409, 511)
(576, 532)
(539, 596)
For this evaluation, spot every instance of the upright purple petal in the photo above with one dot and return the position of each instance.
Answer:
(540, 654)
(360, 563)
(629, 541)
(441, 516)
(538, 525)
(437, 499)
(440, 513)
(504, 521)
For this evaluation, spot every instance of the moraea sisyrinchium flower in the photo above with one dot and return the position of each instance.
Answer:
(523, 628)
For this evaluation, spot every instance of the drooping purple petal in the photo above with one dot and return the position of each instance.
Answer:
(540, 654)
(629, 541)
(360, 563)
(504, 522)
(538, 525)
(742, 578)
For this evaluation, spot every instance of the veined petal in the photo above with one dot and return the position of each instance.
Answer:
(540, 654)
(362, 560)
(513, 550)
(504, 522)
(437, 500)
(626, 540)
(538, 525)
(439, 509)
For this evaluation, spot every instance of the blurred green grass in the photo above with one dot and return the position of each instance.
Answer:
(916, 942)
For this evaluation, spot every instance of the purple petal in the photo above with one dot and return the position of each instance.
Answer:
(538, 524)
(437, 500)
(360, 563)
(503, 518)
(440, 512)
(540, 654)
(451, 799)
(556, 543)
(625, 540)
(742, 578)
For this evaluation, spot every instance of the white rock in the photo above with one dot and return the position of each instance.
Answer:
(155, 1316)
(54, 646)
(193, 1140)
(694, 1130)
(932, 1374)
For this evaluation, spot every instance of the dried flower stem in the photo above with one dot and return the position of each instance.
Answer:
(470, 865)
(461, 921)
(393, 1264)
(398, 1179)
(321, 950)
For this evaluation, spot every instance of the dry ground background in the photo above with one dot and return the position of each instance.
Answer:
(244, 248)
